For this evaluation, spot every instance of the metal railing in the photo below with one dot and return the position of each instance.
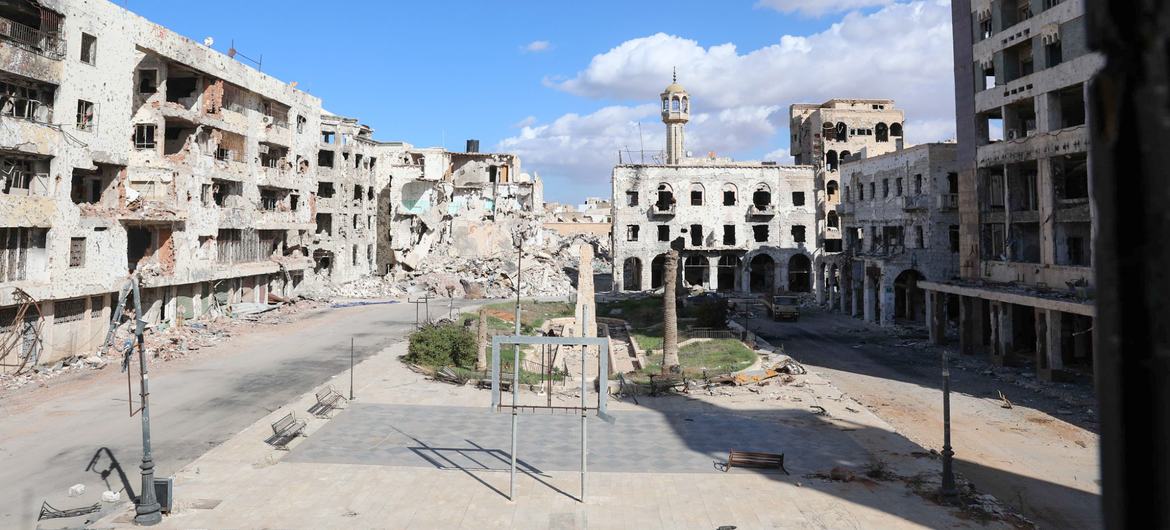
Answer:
(25, 108)
(48, 44)
(761, 209)
(948, 201)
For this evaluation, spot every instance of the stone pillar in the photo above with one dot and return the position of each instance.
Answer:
(818, 281)
(970, 326)
(647, 273)
(1046, 207)
(1001, 333)
(886, 297)
(780, 276)
(586, 306)
(1050, 359)
(857, 296)
(936, 317)
(482, 343)
(870, 292)
(713, 273)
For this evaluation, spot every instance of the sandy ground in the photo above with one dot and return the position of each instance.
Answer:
(1040, 456)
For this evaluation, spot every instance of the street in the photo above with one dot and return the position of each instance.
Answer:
(48, 436)
(1031, 456)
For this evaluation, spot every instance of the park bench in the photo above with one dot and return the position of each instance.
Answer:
(505, 381)
(659, 384)
(755, 460)
(328, 399)
(284, 430)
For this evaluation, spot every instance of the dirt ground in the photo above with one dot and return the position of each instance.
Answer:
(1039, 456)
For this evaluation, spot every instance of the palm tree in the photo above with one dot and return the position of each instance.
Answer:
(670, 363)
(481, 344)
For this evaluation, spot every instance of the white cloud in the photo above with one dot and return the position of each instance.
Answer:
(781, 155)
(537, 46)
(530, 120)
(741, 99)
(819, 7)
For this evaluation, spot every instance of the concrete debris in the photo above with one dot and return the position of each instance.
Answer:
(111, 496)
(548, 268)
(77, 490)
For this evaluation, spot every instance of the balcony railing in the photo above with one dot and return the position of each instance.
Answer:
(662, 209)
(914, 202)
(759, 210)
(47, 44)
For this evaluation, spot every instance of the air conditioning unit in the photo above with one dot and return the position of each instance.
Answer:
(1011, 135)
(266, 120)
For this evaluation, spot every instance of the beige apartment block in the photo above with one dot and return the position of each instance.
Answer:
(899, 214)
(739, 226)
(1026, 230)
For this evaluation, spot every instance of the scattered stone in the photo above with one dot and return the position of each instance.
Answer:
(111, 496)
(77, 490)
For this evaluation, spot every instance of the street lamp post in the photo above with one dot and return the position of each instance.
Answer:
(147, 511)
(948, 490)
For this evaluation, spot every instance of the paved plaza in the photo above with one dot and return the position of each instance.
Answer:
(414, 453)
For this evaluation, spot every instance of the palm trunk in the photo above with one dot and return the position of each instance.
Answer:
(670, 363)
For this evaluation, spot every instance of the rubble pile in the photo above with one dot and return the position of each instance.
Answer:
(163, 342)
(547, 269)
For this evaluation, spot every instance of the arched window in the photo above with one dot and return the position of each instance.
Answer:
(881, 132)
(831, 160)
(831, 188)
(841, 132)
(675, 104)
(730, 194)
(696, 194)
(896, 130)
(845, 156)
(657, 271)
(762, 196)
(665, 197)
(686, 104)
(799, 268)
(831, 220)
(632, 274)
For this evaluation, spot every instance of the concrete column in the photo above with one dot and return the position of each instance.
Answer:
(780, 276)
(619, 274)
(936, 317)
(818, 281)
(713, 273)
(970, 325)
(646, 272)
(857, 296)
(1001, 332)
(1046, 195)
(870, 292)
(886, 298)
(1054, 351)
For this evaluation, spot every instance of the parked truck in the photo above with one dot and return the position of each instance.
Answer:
(783, 307)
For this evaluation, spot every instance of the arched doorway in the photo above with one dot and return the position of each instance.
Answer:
(799, 269)
(881, 132)
(834, 282)
(763, 272)
(909, 299)
(831, 160)
(632, 274)
(695, 270)
(728, 264)
(657, 271)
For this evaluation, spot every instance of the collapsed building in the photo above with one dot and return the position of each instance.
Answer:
(127, 149)
(825, 136)
(739, 226)
(1026, 279)
(898, 212)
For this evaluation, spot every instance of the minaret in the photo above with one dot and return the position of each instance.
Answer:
(676, 112)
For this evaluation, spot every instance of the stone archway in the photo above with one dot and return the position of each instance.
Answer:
(725, 279)
(762, 277)
(657, 271)
(632, 274)
(909, 299)
(696, 270)
(799, 274)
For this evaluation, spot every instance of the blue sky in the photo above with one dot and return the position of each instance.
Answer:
(440, 72)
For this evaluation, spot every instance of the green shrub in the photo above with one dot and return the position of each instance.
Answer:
(439, 345)
(711, 314)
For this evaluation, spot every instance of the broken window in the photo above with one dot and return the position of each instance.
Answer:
(16, 246)
(881, 132)
(327, 137)
(353, 259)
(88, 48)
(730, 195)
(831, 189)
(632, 232)
(665, 198)
(896, 130)
(87, 186)
(872, 191)
(226, 193)
(762, 196)
(1075, 247)
(898, 187)
(841, 129)
(664, 232)
(138, 245)
(205, 194)
(697, 235)
(696, 194)
(76, 252)
(760, 233)
(268, 199)
(1070, 177)
(354, 221)
(271, 155)
(985, 30)
(175, 136)
(1053, 55)
(832, 220)
(798, 198)
(861, 192)
(234, 245)
(325, 158)
(65, 311)
(26, 99)
(953, 232)
(181, 89)
(85, 115)
(831, 160)
(325, 190)
(357, 193)
(728, 234)
(918, 184)
(798, 233)
(144, 136)
(1071, 105)
(293, 201)
(325, 224)
(919, 238)
(885, 188)
(995, 190)
(301, 121)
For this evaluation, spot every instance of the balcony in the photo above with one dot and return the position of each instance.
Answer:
(662, 209)
(914, 202)
(761, 210)
(41, 42)
(948, 201)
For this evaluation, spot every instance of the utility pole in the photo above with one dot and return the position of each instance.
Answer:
(947, 490)
(147, 511)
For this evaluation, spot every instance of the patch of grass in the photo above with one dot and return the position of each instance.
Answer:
(533, 314)
(639, 312)
(715, 357)
(649, 340)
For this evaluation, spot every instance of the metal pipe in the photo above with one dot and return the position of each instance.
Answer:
(148, 512)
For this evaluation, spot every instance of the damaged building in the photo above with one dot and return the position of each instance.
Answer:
(899, 215)
(1025, 291)
(826, 135)
(129, 149)
(740, 226)
(445, 205)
